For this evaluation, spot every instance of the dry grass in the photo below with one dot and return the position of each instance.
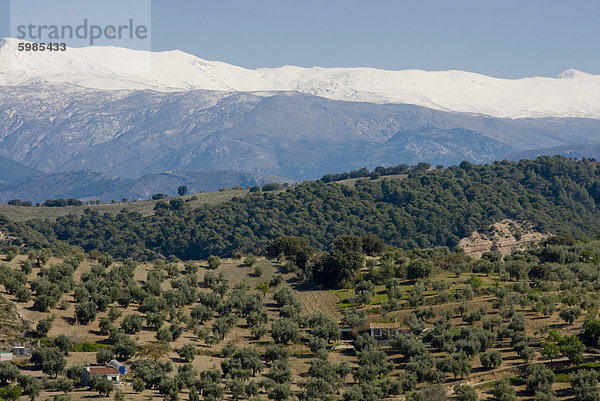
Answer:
(351, 182)
(20, 213)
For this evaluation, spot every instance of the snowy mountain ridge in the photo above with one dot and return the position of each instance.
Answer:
(571, 94)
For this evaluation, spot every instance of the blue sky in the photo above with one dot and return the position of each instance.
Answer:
(506, 38)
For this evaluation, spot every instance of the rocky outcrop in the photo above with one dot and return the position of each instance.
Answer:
(506, 237)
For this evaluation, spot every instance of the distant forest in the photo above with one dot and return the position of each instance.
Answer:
(424, 208)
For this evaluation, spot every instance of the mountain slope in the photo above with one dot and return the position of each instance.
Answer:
(89, 185)
(73, 184)
(572, 94)
(446, 146)
(11, 171)
(578, 151)
(135, 133)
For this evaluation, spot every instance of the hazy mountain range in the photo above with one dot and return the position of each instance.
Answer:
(89, 185)
(96, 122)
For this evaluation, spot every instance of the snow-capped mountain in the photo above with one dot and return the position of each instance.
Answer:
(572, 94)
(132, 114)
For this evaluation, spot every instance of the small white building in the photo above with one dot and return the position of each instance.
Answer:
(381, 330)
(6, 356)
(109, 372)
(22, 351)
(122, 369)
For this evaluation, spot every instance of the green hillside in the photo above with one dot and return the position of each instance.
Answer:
(427, 208)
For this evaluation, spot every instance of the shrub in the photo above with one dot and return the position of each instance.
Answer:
(491, 359)
(285, 330)
(250, 260)
(103, 356)
(585, 385)
(465, 392)
(539, 378)
(214, 262)
(503, 391)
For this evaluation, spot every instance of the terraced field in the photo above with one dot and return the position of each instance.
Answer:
(323, 301)
(12, 327)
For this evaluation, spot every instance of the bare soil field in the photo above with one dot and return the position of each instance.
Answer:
(320, 300)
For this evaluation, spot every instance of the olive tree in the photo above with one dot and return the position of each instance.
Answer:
(50, 359)
(503, 391)
(285, 330)
(491, 359)
(187, 353)
(585, 385)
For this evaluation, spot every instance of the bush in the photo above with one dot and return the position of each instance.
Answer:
(214, 262)
(250, 260)
(503, 391)
(43, 327)
(539, 378)
(271, 187)
(545, 396)
(138, 385)
(431, 393)
(50, 359)
(64, 343)
(119, 395)
(114, 313)
(187, 353)
(132, 324)
(10, 393)
(585, 385)
(285, 330)
(104, 356)
(572, 348)
(491, 359)
(64, 385)
(465, 392)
